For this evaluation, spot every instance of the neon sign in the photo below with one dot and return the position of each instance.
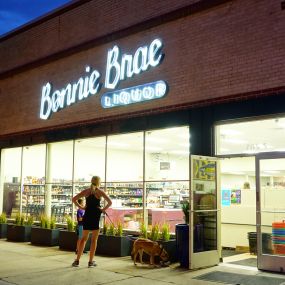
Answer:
(135, 94)
(118, 67)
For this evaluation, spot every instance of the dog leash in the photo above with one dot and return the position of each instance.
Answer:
(106, 214)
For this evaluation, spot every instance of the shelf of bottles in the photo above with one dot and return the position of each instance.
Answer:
(128, 195)
(61, 199)
(166, 194)
(33, 196)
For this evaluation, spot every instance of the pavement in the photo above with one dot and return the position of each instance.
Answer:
(26, 264)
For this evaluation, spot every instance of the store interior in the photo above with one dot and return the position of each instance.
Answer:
(43, 178)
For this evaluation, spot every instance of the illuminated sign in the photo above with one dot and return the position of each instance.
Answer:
(135, 94)
(118, 67)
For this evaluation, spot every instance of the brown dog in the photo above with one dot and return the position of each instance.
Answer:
(150, 247)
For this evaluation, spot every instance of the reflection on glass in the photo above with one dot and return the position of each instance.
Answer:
(10, 181)
(89, 159)
(127, 206)
(125, 157)
(163, 202)
(167, 154)
(272, 203)
(33, 171)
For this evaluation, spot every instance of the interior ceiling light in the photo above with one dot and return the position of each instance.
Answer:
(230, 132)
(234, 141)
(156, 140)
(118, 144)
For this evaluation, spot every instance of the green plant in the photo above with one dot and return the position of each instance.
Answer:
(154, 234)
(105, 229)
(165, 232)
(44, 222)
(52, 222)
(3, 218)
(30, 220)
(143, 230)
(185, 209)
(19, 220)
(111, 230)
(119, 231)
(70, 223)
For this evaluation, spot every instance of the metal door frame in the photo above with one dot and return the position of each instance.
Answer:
(211, 257)
(268, 262)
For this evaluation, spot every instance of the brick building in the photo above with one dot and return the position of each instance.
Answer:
(221, 63)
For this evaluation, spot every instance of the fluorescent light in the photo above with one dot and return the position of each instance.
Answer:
(156, 140)
(230, 132)
(118, 144)
(236, 172)
(153, 148)
(235, 141)
(224, 149)
(271, 171)
(179, 152)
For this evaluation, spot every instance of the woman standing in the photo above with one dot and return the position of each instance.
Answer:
(91, 217)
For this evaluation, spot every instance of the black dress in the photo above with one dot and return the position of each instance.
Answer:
(92, 214)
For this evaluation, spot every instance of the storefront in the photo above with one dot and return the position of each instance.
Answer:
(152, 94)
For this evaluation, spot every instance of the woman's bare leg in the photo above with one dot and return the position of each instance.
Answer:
(82, 243)
(93, 246)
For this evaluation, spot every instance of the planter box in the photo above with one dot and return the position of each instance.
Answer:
(170, 247)
(114, 245)
(46, 237)
(68, 241)
(3, 230)
(18, 233)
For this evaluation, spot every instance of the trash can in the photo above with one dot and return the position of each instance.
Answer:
(266, 243)
(182, 244)
(252, 239)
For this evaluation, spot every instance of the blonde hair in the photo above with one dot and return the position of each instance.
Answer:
(95, 180)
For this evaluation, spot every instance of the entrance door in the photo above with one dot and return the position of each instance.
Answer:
(270, 211)
(204, 237)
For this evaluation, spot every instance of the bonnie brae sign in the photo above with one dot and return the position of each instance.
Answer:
(118, 68)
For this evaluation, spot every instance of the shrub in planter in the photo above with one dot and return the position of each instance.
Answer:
(112, 242)
(68, 237)
(46, 234)
(3, 225)
(21, 230)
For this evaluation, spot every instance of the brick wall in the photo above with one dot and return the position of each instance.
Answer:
(91, 20)
(235, 48)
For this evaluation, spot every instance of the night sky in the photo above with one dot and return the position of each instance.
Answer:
(15, 13)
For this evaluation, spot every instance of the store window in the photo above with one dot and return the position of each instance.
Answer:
(59, 173)
(124, 181)
(10, 194)
(167, 175)
(33, 173)
(251, 137)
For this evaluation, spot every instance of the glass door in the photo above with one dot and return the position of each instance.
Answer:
(204, 237)
(270, 211)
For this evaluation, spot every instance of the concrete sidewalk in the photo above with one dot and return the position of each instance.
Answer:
(25, 264)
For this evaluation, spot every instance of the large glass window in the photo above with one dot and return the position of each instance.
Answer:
(251, 137)
(167, 154)
(166, 175)
(33, 173)
(10, 194)
(59, 173)
(125, 157)
(125, 178)
(146, 175)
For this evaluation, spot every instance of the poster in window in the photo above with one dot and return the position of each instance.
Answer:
(236, 197)
(226, 197)
(204, 169)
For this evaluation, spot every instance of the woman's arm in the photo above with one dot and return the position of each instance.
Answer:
(83, 193)
(107, 199)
